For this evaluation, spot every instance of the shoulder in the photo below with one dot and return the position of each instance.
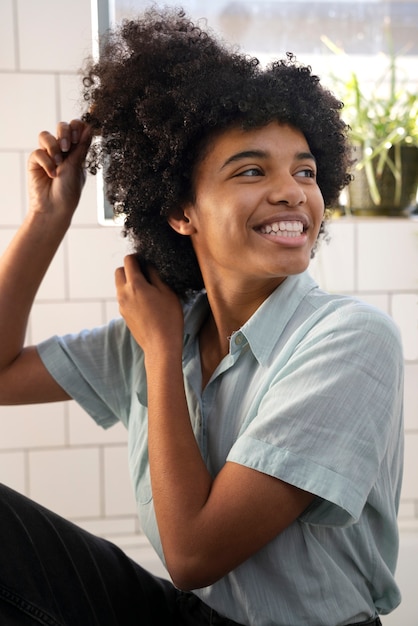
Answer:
(347, 313)
(339, 333)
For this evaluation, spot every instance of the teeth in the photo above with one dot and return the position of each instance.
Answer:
(287, 229)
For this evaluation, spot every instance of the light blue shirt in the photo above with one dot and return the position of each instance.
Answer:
(311, 393)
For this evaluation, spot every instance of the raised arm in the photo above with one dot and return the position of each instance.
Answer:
(56, 179)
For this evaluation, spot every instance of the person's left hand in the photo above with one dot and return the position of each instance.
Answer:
(151, 310)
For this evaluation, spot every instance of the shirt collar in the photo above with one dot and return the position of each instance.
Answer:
(265, 326)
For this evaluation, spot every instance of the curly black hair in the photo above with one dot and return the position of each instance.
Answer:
(161, 89)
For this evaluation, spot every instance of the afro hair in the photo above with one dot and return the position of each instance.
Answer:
(161, 89)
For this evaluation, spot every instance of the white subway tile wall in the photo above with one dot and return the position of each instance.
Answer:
(411, 397)
(68, 480)
(13, 469)
(12, 170)
(409, 487)
(387, 256)
(96, 266)
(334, 263)
(53, 37)
(55, 453)
(29, 113)
(7, 37)
(40, 426)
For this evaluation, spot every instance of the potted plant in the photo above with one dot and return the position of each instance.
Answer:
(383, 118)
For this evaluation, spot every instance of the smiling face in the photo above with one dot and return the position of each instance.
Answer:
(257, 209)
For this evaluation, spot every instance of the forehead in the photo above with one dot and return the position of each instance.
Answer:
(273, 139)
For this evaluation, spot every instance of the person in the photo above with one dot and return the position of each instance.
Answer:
(264, 415)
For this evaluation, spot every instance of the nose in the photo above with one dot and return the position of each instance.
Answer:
(284, 189)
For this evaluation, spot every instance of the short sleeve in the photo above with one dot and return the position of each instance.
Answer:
(97, 368)
(326, 420)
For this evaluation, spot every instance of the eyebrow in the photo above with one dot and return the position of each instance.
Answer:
(248, 154)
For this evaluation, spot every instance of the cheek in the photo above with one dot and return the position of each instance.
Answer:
(212, 216)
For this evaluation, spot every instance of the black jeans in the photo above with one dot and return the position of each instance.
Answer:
(56, 574)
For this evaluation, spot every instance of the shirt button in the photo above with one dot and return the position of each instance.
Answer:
(239, 339)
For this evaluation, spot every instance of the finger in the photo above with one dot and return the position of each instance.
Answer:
(80, 133)
(155, 277)
(136, 270)
(81, 136)
(73, 140)
(51, 145)
(120, 278)
(76, 128)
(70, 134)
(132, 267)
(64, 136)
(40, 159)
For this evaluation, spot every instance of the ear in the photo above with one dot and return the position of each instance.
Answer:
(181, 223)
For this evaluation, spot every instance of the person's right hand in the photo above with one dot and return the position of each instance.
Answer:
(56, 169)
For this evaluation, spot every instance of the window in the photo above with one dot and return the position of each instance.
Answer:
(274, 27)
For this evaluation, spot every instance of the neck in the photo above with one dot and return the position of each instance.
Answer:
(232, 307)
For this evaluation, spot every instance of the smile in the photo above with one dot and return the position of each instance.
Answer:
(282, 229)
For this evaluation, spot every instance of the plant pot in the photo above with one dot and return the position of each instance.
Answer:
(394, 201)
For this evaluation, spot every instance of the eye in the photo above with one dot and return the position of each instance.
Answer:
(306, 173)
(251, 171)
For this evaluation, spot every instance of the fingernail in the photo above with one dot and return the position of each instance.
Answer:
(64, 144)
(74, 136)
(58, 159)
